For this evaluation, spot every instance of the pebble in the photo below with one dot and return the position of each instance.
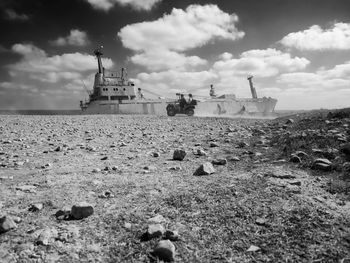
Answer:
(156, 154)
(295, 159)
(58, 149)
(175, 168)
(179, 155)
(242, 145)
(219, 162)
(322, 164)
(127, 225)
(165, 250)
(204, 169)
(213, 144)
(345, 149)
(47, 236)
(27, 188)
(6, 224)
(82, 210)
(235, 159)
(36, 207)
(261, 221)
(290, 121)
(201, 152)
(253, 248)
(150, 168)
(106, 194)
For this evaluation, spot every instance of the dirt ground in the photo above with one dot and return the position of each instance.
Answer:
(257, 206)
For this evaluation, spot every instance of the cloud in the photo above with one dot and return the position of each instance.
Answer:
(136, 4)
(58, 78)
(177, 32)
(172, 81)
(10, 14)
(181, 29)
(333, 79)
(37, 72)
(40, 66)
(316, 38)
(75, 38)
(165, 59)
(260, 63)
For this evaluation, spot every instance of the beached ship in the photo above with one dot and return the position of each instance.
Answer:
(114, 93)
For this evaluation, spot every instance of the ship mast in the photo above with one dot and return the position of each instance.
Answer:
(98, 53)
(252, 89)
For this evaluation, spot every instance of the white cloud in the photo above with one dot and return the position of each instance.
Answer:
(181, 29)
(174, 33)
(17, 86)
(75, 38)
(136, 4)
(260, 63)
(58, 78)
(226, 56)
(337, 77)
(171, 81)
(13, 15)
(165, 59)
(316, 38)
(36, 64)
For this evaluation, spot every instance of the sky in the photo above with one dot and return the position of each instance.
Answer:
(298, 51)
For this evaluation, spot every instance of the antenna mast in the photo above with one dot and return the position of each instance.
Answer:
(252, 89)
(98, 53)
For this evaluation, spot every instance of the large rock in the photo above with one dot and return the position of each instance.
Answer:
(204, 169)
(82, 210)
(179, 155)
(155, 230)
(165, 250)
(6, 224)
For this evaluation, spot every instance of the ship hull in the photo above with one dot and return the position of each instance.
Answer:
(212, 107)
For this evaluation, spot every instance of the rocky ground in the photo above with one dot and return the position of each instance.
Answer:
(142, 189)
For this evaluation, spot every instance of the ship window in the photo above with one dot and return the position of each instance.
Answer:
(103, 98)
(116, 89)
(124, 89)
(132, 84)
